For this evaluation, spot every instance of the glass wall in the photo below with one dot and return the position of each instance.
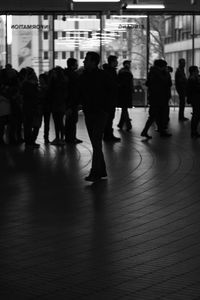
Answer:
(125, 36)
(181, 39)
(3, 39)
(74, 36)
(44, 41)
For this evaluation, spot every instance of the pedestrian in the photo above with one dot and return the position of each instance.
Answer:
(193, 98)
(159, 92)
(180, 83)
(126, 89)
(94, 92)
(72, 108)
(110, 70)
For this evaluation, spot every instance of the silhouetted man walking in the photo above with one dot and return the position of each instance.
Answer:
(94, 93)
(110, 70)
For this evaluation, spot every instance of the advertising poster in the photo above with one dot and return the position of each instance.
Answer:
(24, 48)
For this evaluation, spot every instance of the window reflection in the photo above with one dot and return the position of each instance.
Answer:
(125, 37)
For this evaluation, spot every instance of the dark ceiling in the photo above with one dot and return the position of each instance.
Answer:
(31, 6)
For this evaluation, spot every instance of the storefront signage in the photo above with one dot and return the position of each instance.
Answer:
(29, 26)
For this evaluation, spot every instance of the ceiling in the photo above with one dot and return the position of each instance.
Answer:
(63, 6)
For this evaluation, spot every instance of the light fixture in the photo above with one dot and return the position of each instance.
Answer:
(96, 1)
(145, 6)
(128, 16)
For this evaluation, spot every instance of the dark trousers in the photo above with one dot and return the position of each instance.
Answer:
(108, 132)
(182, 97)
(30, 132)
(4, 120)
(95, 123)
(124, 118)
(158, 114)
(59, 124)
(15, 130)
(46, 116)
(70, 125)
(195, 118)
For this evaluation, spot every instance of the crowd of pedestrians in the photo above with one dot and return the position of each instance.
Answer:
(27, 101)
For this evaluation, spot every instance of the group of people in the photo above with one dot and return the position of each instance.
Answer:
(26, 101)
(159, 94)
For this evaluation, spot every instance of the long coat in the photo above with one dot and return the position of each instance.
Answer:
(126, 88)
(159, 86)
(193, 90)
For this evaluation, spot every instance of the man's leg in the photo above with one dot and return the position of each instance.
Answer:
(108, 132)
(95, 124)
(181, 106)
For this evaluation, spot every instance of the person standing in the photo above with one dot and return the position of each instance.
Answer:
(32, 118)
(193, 98)
(58, 92)
(45, 104)
(72, 102)
(180, 83)
(126, 89)
(110, 70)
(94, 95)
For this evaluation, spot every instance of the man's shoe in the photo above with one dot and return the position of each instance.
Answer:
(183, 119)
(92, 178)
(112, 139)
(195, 135)
(145, 134)
(35, 145)
(96, 177)
(32, 145)
(55, 142)
(73, 141)
(77, 141)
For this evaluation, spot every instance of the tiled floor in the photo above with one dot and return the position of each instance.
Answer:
(134, 236)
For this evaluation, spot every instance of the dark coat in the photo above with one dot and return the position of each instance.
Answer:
(180, 80)
(193, 90)
(126, 88)
(159, 86)
(72, 98)
(58, 91)
(94, 91)
(30, 93)
(112, 78)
